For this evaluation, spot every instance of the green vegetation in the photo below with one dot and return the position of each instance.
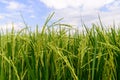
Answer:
(58, 53)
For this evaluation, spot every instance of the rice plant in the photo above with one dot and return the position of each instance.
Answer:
(55, 53)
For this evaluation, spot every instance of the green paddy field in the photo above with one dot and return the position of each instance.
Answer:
(60, 52)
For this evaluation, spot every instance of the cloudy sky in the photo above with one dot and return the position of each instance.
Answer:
(36, 11)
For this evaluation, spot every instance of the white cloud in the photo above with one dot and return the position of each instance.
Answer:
(13, 11)
(60, 4)
(32, 16)
(114, 6)
(15, 6)
(74, 16)
(95, 4)
(8, 26)
(1, 17)
(87, 10)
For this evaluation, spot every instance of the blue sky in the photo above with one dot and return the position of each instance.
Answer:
(36, 11)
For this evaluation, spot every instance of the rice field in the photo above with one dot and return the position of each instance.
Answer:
(60, 54)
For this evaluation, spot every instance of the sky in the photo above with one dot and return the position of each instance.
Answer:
(72, 11)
